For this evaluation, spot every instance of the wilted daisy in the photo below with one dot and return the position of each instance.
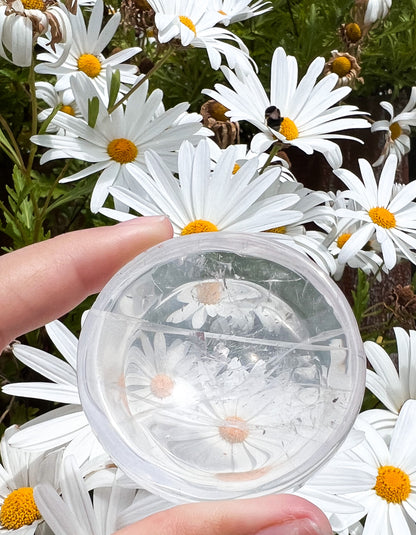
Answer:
(303, 115)
(75, 511)
(382, 478)
(85, 54)
(388, 215)
(397, 128)
(20, 471)
(117, 143)
(66, 426)
(345, 66)
(23, 21)
(194, 24)
(393, 388)
(203, 200)
(237, 10)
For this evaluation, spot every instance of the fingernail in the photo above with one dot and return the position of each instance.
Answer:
(301, 526)
(151, 219)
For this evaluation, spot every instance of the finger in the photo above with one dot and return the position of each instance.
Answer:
(43, 281)
(282, 514)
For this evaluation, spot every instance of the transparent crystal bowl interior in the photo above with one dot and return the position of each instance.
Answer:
(220, 365)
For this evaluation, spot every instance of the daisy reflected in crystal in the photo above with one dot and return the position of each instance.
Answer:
(237, 10)
(158, 374)
(194, 24)
(23, 21)
(387, 214)
(20, 471)
(393, 388)
(85, 54)
(226, 298)
(397, 128)
(66, 426)
(228, 435)
(382, 478)
(303, 115)
(205, 200)
(116, 144)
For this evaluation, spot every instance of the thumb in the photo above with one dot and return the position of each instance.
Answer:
(282, 514)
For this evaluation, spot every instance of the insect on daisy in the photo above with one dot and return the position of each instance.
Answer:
(300, 114)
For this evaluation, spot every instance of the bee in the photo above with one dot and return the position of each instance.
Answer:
(273, 117)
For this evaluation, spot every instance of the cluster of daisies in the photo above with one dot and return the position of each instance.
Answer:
(150, 160)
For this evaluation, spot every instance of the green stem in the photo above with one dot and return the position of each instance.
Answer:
(51, 190)
(275, 149)
(14, 145)
(155, 68)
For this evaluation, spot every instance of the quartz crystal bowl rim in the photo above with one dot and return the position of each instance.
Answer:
(266, 246)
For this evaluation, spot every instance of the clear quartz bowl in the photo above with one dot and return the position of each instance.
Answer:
(220, 365)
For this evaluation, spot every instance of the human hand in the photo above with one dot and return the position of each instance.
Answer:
(43, 281)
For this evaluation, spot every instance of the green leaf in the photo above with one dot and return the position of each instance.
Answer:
(361, 296)
(93, 110)
(114, 88)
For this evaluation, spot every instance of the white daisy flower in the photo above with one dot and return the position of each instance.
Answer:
(376, 10)
(380, 477)
(75, 512)
(85, 54)
(243, 154)
(23, 21)
(117, 143)
(303, 115)
(53, 98)
(397, 128)
(393, 388)
(20, 471)
(194, 24)
(388, 214)
(207, 201)
(237, 10)
(66, 426)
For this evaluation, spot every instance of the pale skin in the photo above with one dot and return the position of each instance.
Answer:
(42, 282)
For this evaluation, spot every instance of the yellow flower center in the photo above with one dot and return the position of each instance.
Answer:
(122, 150)
(289, 129)
(221, 12)
(278, 230)
(392, 484)
(188, 23)
(236, 168)
(234, 431)
(34, 4)
(342, 239)
(341, 66)
(209, 293)
(217, 111)
(68, 109)
(353, 32)
(382, 217)
(89, 64)
(19, 509)
(162, 385)
(199, 225)
(395, 130)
